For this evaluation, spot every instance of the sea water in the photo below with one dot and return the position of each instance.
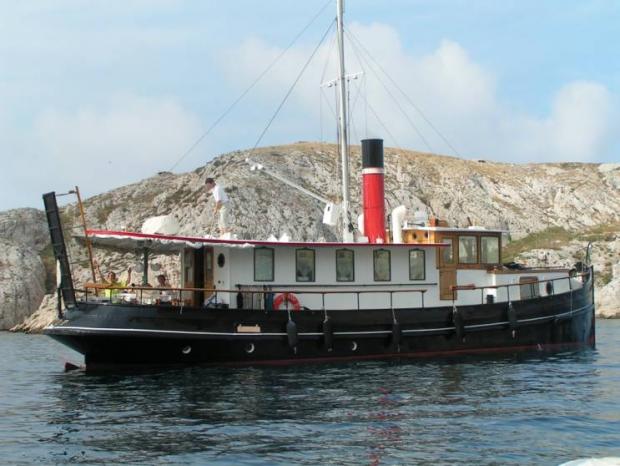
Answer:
(539, 409)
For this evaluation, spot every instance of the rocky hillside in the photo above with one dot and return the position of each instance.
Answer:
(523, 198)
(23, 237)
(549, 208)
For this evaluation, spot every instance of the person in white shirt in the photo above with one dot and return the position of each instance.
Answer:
(221, 204)
(165, 296)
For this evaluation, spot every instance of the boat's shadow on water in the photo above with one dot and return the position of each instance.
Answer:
(376, 409)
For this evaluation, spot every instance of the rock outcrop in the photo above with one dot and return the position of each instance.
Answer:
(22, 283)
(46, 315)
(608, 296)
(25, 226)
(23, 239)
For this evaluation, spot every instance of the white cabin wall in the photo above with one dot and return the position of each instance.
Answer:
(242, 272)
(483, 278)
(560, 286)
(431, 297)
(474, 277)
(242, 266)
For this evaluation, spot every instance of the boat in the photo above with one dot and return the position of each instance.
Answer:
(386, 289)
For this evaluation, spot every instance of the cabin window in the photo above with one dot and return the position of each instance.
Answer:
(489, 250)
(447, 252)
(468, 251)
(304, 265)
(416, 265)
(381, 262)
(528, 287)
(345, 265)
(263, 265)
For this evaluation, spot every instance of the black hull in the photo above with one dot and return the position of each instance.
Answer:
(126, 335)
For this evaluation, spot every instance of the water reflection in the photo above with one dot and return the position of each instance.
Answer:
(376, 412)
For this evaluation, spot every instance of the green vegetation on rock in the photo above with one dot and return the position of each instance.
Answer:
(558, 237)
(47, 256)
(550, 238)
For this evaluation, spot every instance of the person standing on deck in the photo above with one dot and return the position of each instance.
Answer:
(114, 285)
(165, 296)
(221, 205)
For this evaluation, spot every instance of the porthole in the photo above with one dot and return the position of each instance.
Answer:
(186, 350)
(221, 260)
(249, 348)
(353, 346)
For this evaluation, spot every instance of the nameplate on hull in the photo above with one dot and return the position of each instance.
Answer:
(248, 328)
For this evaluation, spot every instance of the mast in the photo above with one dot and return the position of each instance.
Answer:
(347, 234)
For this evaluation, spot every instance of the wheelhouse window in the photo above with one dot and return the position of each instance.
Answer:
(345, 265)
(489, 250)
(304, 265)
(468, 251)
(382, 266)
(417, 269)
(263, 265)
(447, 252)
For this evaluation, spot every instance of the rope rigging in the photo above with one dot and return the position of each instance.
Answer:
(321, 88)
(288, 93)
(387, 90)
(405, 95)
(365, 60)
(250, 87)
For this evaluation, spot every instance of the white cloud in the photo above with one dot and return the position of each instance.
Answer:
(65, 37)
(97, 149)
(459, 96)
(577, 129)
(581, 119)
(131, 130)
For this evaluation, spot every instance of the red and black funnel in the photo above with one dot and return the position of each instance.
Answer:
(373, 190)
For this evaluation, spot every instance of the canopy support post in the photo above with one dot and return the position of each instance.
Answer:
(145, 263)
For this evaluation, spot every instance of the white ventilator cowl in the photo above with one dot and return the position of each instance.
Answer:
(162, 225)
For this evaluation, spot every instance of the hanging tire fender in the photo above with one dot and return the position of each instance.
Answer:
(511, 314)
(396, 334)
(328, 334)
(291, 333)
(458, 322)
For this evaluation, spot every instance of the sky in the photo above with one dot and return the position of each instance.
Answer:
(100, 94)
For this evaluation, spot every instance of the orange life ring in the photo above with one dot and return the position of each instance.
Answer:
(289, 298)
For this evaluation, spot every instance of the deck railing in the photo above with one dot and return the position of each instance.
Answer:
(550, 287)
(250, 296)
(257, 297)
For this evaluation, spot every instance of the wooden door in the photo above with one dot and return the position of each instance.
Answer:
(447, 267)
(199, 277)
(208, 269)
(447, 279)
(187, 280)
